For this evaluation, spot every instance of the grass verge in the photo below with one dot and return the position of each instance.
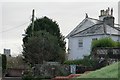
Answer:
(110, 72)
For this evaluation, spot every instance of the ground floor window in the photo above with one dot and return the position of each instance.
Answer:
(94, 39)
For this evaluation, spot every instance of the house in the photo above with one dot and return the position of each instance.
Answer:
(80, 38)
(7, 52)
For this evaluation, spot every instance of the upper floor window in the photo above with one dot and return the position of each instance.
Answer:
(94, 39)
(80, 43)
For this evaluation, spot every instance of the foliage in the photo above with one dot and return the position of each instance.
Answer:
(117, 44)
(86, 61)
(28, 75)
(53, 46)
(42, 47)
(103, 42)
(15, 62)
(48, 25)
(4, 62)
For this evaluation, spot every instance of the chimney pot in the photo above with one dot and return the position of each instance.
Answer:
(111, 11)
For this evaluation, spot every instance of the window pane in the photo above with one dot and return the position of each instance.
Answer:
(80, 43)
(94, 39)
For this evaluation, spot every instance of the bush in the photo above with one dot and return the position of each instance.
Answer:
(104, 42)
(86, 61)
(28, 75)
(118, 44)
(70, 62)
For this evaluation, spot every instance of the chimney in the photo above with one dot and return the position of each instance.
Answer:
(109, 20)
(107, 17)
(102, 15)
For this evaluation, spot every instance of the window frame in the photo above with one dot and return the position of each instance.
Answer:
(80, 43)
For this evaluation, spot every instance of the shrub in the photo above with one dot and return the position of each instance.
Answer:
(118, 44)
(104, 42)
(86, 61)
(28, 75)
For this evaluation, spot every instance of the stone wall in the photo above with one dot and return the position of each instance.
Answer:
(51, 70)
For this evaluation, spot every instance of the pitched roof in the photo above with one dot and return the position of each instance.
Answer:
(90, 26)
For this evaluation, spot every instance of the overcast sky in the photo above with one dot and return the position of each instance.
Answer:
(15, 17)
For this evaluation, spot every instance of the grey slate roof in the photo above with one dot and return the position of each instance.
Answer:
(90, 26)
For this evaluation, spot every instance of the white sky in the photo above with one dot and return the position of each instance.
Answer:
(68, 15)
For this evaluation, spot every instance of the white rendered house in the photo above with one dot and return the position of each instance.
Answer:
(80, 38)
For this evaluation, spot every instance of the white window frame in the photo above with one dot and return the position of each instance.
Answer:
(80, 43)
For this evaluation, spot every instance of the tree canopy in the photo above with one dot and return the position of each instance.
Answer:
(42, 47)
(47, 25)
(46, 42)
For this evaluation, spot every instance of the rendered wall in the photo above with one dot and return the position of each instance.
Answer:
(76, 52)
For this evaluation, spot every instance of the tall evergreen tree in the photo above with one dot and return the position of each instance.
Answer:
(53, 43)
(47, 25)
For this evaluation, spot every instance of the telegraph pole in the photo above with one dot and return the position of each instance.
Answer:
(33, 22)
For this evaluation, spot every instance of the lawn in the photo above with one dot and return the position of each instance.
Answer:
(110, 71)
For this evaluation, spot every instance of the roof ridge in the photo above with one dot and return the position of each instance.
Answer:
(95, 19)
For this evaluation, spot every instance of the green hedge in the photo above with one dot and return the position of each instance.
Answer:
(105, 42)
(85, 62)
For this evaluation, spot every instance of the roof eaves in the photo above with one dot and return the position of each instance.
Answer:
(78, 26)
(95, 35)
